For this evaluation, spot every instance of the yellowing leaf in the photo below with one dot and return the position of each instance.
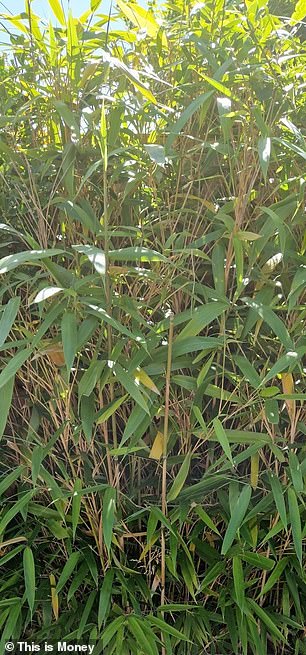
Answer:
(288, 388)
(247, 236)
(55, 353)
(54, 596)
(144, 378)
(157, 447)
(58, 11)
(254, 470)
(118, 270)
(17, 23)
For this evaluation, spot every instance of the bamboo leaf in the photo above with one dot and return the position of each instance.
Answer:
(277, 491)
(47, 292)
(295, 521)
(264, 152)
(206, 519)
(239, 585)
(274, 576)
(254, 470)
(265, 618)
(223, 440)
(76, 505)
(108, 516)
(136, 254)
(157, 446)
(58, 11)
(5, 404)
(69, 338)
(165, 627)
(202, 316)
(105, 596)
(10, 262)
(106, 413)
(67, 571)
(8, 317)
(236, 518)
(94, 255)
(131, 386)
(29, 576)
(54, 596)
(180, 479)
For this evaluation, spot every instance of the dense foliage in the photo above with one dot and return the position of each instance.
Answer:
(152, 328)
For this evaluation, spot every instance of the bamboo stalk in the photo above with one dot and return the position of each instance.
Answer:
(164, 469)
(108, 294)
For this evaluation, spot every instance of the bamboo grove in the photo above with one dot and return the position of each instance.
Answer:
(152, 327)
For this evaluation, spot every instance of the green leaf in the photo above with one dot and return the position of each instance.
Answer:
(76, 505)
(277, 491)
(105, 596)
(26, 257)
(218, 268)
(17, 507)
(203, 101)
(165, 627)
(180, 479)
(37, 457)
(202, 316)
(47, 292)
(69, 338)
(248, 371)
(108, 516)
(29, 576)
(213, 573)
(141, 636)
(95, 255)
(15, 363)
(129, 383)
(265, 618)
(136, 254)
(258, 561)
(105, 414)
(67, 570)
(8, 317)
(8, 478)
(156, 152)
(5, 403)
(88, 415)
(271, 411)
(299, 11)
(90, 378)
(222, 438)
(275, 323)
(275, 575)
(239, 585)
(132, 75)
(206, 519)
(87, 609)
(217, 85)
(286, 361)
(112, 629)
(264, 152)
(67, 115)
(295, 521)
(236, 518)
(296, 473)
